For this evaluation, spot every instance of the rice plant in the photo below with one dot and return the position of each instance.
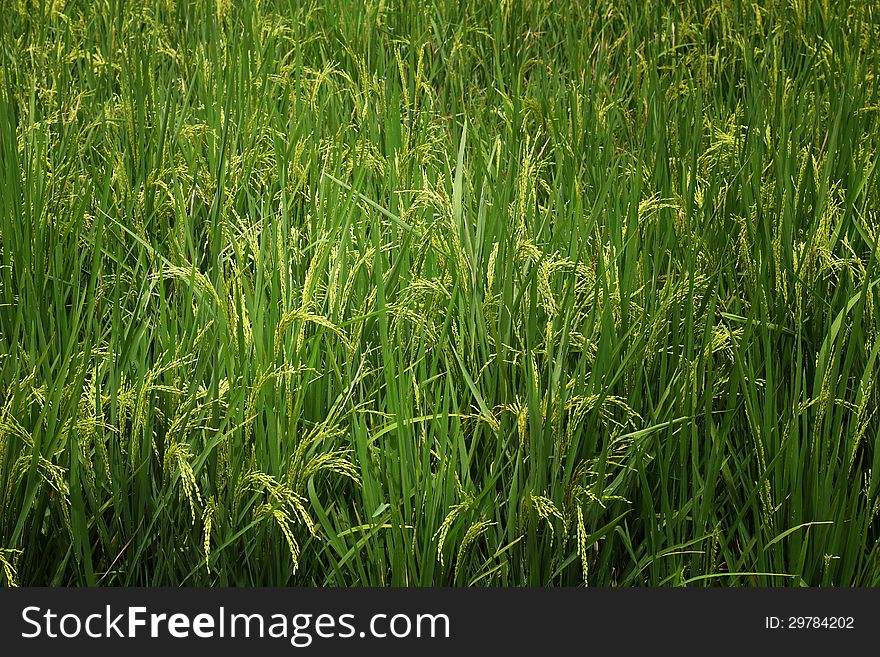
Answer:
(421, 293)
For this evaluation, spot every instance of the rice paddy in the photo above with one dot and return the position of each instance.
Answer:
(436, 293)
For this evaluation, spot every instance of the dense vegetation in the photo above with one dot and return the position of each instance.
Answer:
(439, 293)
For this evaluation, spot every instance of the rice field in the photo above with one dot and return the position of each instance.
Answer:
(435, 293)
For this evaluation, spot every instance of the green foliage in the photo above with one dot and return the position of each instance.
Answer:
(439, 293)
